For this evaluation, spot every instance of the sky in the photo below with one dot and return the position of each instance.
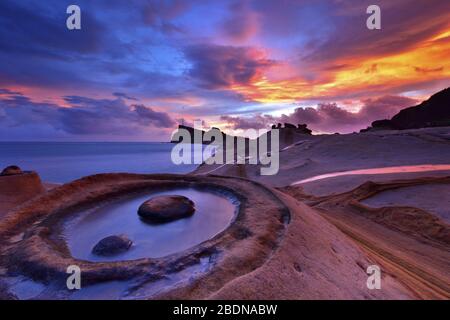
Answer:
(137, 69)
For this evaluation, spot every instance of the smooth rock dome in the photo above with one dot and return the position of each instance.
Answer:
(112, 245)
(166, 208)
(11, 170)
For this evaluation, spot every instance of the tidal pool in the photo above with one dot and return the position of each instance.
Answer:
(214, 213)
(429, 197)
(375, 171)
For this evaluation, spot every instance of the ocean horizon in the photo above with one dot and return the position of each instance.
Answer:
(61, 162)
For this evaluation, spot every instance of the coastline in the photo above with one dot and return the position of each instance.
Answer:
(325, 246)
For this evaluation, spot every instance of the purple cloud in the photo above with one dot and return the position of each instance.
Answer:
(222, 66)
(329, 117)
(148, 116)
(85, 116)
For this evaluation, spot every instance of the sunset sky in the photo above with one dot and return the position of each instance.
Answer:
(137, 68)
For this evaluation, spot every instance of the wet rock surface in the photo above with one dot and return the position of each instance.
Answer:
(221, 259)
(166, 208)
(112, 245)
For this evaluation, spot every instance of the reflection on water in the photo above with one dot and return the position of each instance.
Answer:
(385, 170)
(214, 212)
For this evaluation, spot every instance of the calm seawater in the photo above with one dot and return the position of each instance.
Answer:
(65, 161)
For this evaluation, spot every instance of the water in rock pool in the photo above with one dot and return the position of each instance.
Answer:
(214, 212)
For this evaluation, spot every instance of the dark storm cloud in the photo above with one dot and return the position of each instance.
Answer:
(148, 116)
(85, 116)
(222, 66)
(404, 24)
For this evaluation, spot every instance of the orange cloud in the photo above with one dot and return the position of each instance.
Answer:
(426, 62)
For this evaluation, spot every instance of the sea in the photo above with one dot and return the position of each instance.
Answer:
(61, 162)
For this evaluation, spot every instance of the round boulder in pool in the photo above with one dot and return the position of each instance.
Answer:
(166, 208)
(112, 245)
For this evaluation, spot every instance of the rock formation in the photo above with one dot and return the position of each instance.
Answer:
(434, 112)
(304, 128)
(289, 125)
(17, 187)
(300, 128)
(166, 208)
(11, 170)
(112, 245)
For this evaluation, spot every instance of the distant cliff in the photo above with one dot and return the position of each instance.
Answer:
(288, 130)
(434, 112)
(196, 132)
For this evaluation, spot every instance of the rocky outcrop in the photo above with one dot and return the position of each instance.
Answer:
(434, 112)
(300, 128)
(193, 134)
(43, 255)
(289, 126)
(166, 208)
(303, 128)
(17, 187)
(11, 170)
(112, 245)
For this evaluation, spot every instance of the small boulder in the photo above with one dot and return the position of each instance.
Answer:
(11, 170)
(112, 245)
(166, 208)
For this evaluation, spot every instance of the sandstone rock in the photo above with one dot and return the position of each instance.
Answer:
(112, 245)
(16, 189)
(166, 208)
(11, 170)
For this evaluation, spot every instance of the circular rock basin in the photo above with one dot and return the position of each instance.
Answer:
(237, 226)
(214, 213)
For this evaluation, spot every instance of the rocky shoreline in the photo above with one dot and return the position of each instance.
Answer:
(311, 240)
